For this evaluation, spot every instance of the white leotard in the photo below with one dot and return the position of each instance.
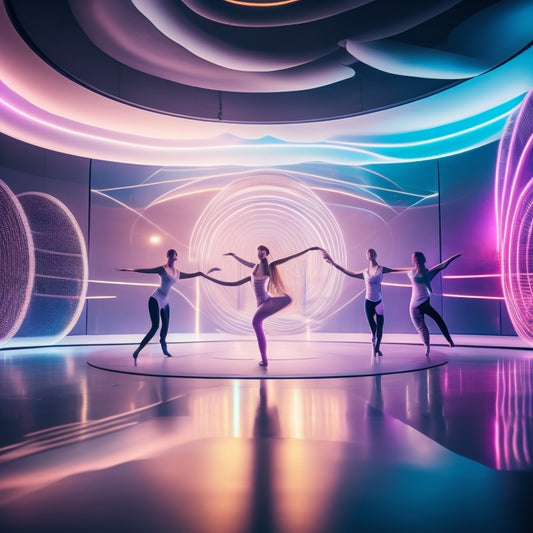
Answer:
(373, 284)
(420, 292)
(162, 293)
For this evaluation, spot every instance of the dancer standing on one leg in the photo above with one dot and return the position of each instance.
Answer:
(270, 293)
(158, 303)
(419, 306)
(372, 276)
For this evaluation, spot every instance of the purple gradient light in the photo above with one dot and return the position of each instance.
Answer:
(514, 212)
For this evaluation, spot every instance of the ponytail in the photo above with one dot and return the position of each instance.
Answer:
(275, 285)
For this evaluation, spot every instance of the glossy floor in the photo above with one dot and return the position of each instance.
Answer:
(444, 449)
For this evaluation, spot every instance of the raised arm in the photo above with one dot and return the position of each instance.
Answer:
(329, 260)
(241, 260)
(441, 266)
(293, 256)
(155, 270)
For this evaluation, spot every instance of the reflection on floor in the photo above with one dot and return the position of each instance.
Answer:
(448, 448)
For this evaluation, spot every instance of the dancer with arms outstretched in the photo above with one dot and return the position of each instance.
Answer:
(372, 276)
(419, 306)
(270, 292)
(158, 305)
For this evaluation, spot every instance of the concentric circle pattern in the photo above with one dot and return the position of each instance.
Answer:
(286, 216)
(514, 209)
(60, 268)
(16, 264)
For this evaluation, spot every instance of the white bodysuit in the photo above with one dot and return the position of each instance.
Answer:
(162, 293)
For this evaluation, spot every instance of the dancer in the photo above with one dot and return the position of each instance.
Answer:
(372, 276)
(421, 278)
(158, 302)
(270, 293)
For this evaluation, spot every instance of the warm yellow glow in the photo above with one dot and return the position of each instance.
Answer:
(155, 239)
(259, 3)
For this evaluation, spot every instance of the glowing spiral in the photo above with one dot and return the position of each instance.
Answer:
(272, 209)
(514, 211)
(17, 264)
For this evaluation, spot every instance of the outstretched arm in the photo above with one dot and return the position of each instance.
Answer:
(441, 266)
(241, 260)
(188, 275)
(293, 256)
(387, 270)
(227, 283)
(329, 260)
(155, 270)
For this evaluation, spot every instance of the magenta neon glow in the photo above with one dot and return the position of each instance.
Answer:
(514, 212)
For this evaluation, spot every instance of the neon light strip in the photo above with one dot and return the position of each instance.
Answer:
(473, 297)
(141, 285)
(473, 276)
(449, 136)
(268, 147)
(261, 4)
(123, 283)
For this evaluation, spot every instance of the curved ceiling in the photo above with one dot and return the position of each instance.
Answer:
(156, 73)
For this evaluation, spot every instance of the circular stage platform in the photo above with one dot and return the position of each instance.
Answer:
(287, 359)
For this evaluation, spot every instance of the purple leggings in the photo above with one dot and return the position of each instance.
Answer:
(267, 308)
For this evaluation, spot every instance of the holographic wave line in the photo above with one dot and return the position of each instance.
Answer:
(338, 181)
(134, 284)
(434, 195)
(473, 296)
(139, 214)
(357, 197)
(175, 180)
(231, 175)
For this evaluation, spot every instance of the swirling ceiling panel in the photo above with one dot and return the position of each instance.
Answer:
(371, 81)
